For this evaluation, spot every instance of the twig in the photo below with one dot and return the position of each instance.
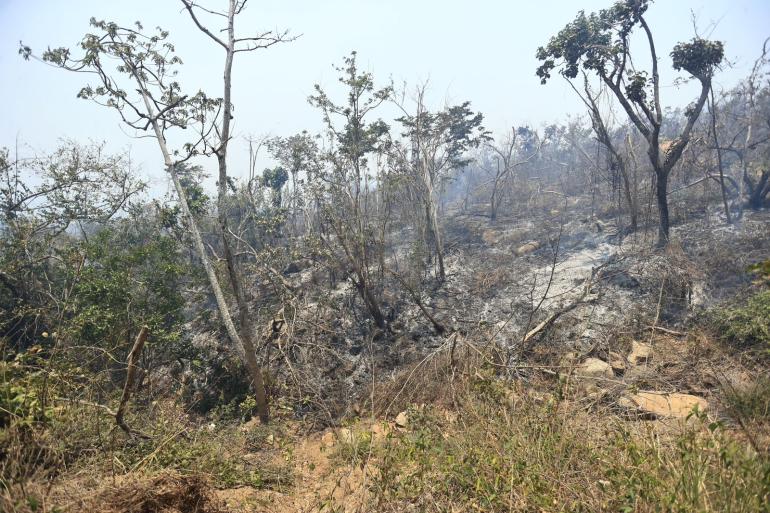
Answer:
(554, 316)
(666, 330)
(440, 328)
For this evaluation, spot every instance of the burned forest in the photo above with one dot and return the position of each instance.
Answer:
(405, 304)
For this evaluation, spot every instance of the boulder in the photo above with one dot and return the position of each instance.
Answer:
(594, 367)
(640, 353)
(402, 420)
(526, 248)
(617, 362)
(662, 404)
(490, 237)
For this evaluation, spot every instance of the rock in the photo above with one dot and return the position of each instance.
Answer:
(662, 404)
(595, 367)
(527, 248)
(617, 362)
(328, 439)
(640, 353)
(490, 237)
(379, 430)
(402, 420)
(346, 436)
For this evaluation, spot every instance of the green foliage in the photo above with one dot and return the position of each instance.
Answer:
(761, 270)
(356, 138)
(21, 384)
(145, 71)
(523, 456)
(745, 324)
(41, 200)
(454, 130)
(353, 447)
(274, 179)
(599, 43)
(129, 279)
(699, 57)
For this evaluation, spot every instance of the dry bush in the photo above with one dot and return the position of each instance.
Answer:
(164, 493)
(433, 379)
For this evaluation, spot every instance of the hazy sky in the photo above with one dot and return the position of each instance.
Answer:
(482, 51)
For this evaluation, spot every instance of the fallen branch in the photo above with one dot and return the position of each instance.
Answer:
(106, 409)
(133, 356)
(440, 328)
(666, 330)
(554, 316)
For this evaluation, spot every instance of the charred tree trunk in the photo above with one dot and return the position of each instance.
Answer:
(661, 194)
(759, 191)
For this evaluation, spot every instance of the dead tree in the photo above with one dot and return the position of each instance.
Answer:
(506, 166)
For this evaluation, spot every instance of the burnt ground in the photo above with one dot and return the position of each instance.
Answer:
(503, 280)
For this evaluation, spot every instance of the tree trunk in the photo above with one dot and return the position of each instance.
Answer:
(662, 197)
(248, 331)
(759, 192)
(246, 346)
(431, 211)
(713, 110)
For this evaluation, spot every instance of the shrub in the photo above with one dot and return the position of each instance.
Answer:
(746, 324)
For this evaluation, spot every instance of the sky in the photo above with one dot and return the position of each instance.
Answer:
(481, 51)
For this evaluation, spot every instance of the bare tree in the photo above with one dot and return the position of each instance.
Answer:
(603, 135)
(218, 145)
(505, 154)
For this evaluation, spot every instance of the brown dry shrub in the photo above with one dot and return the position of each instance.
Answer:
(432, 380)
(162, 493)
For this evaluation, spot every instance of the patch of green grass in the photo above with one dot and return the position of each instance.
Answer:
(353, 447)
(745, 324)
(526, 456)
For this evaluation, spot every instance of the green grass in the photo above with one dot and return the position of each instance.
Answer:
(747, 323)
(526, 456)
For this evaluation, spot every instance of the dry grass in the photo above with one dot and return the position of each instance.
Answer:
(504, 449)
(166, 492)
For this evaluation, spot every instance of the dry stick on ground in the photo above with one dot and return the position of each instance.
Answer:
(133, 356)
(666, 330)
(574, 304)
(554, 316)
(440, 328)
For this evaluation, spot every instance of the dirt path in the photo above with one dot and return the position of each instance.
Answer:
(322, 482)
